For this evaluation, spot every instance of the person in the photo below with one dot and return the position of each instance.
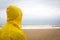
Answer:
(12, 29)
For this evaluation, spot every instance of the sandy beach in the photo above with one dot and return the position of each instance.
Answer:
(42, 34)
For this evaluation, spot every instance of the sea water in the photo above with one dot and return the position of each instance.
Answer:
(40, 26)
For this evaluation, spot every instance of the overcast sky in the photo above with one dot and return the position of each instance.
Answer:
(34, 11)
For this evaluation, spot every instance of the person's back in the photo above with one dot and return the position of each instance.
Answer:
(11, 30)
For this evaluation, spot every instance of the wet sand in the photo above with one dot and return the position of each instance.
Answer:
(42, 34)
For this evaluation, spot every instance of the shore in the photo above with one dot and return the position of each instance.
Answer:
(42, 34)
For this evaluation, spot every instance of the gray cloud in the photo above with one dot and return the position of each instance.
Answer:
(54, 4)
(5, 3)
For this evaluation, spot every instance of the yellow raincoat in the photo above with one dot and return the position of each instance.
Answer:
(12, 29)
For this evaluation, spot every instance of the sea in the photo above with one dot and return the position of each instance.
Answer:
(40, 26)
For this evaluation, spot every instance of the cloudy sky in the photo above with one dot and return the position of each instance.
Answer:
(34, 11)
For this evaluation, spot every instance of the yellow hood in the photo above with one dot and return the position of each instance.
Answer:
(14, 15)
